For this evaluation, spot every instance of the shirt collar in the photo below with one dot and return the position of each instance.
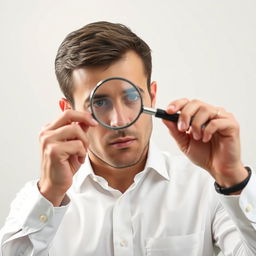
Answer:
(84, 171)
(155, 161)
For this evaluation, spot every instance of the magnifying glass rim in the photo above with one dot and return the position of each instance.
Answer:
(96, 88)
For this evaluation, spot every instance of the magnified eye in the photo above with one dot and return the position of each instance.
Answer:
(132, 96)
(101, 103)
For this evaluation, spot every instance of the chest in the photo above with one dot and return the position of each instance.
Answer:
(153, 219)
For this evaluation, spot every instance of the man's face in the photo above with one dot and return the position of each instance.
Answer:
(116, 148)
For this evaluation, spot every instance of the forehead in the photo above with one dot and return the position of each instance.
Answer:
(130, 66)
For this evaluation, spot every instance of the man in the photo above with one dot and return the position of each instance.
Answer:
(107, 192)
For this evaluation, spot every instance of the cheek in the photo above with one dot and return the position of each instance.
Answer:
(144, 123)
(95, 135)
(146, 100)
(78, 103)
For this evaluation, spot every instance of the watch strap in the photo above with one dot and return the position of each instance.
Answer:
(235, 188)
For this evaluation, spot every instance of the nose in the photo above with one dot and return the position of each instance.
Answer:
(119, 117)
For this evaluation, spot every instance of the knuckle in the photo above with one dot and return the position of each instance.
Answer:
(43, 138)
(184, 116)
(195, 101)
(43, 131)
(84, 143)
(185, 100)
(41, 134)
(44, 128)
(222, 109)
(51, 150)
(43, 141)
(204, 108)
(67, 114)
(87, 115)
(196, 126)
(233, 119)
(80, 145)
(213, 124)
(77, 128)
(231, 116)
(236, 125)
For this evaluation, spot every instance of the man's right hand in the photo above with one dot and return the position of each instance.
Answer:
(64, 147)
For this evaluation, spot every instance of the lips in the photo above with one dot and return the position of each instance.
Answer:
(122, 142)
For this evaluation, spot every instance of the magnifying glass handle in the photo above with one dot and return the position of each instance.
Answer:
(164, 115)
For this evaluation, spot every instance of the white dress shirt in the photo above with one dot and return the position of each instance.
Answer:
(171, 209)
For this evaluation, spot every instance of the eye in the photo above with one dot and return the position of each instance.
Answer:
(134, 96)
(100, 103)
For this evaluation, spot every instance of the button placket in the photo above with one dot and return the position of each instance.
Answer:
(122, 227)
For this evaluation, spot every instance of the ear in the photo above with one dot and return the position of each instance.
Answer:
(64, 104)
(153, 90)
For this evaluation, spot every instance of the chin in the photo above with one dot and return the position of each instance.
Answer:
(125, 161)
(123, 165)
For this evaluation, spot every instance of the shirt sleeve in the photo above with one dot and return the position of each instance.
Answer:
(31, 224)
(234, 225)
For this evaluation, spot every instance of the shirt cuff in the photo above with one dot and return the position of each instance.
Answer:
(243, 205)
(31, 212)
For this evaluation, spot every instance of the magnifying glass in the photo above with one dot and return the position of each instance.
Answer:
(116, 103)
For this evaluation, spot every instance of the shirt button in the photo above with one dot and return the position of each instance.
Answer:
(43, 218)
(123, 243)
(248, 208)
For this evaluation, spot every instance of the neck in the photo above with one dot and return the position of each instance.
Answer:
(118, 178)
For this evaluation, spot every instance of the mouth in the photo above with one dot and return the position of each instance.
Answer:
(122, 142)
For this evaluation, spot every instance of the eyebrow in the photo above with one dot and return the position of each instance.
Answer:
(100, 96)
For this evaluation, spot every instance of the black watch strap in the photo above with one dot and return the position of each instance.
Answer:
(236, 188)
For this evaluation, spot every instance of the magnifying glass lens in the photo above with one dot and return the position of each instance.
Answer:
(116, 103)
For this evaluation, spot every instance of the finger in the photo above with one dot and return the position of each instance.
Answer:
(201, 118)
(186, 115)
(176, 105)
(70, 116)
(64, 133)
(71, 132)
(75, 162)
(204, 115)
(225, 127)
(75, 153)
(63, 150)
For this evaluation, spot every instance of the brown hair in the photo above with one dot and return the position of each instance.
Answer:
(97, 44)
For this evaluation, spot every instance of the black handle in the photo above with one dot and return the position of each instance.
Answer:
(163, 114)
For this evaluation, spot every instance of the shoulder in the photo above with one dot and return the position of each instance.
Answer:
(182, 170)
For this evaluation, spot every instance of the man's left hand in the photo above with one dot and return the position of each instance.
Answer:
(209, 137)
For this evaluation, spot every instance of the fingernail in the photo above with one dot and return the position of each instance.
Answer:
(206, 138)
(181, 126)
(172, 107)
(196, 136)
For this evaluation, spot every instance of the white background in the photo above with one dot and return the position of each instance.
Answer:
(201, 49)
